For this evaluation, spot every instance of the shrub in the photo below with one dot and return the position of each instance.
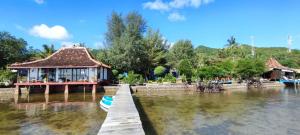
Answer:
(183, 78)
(169, 78)
(159, 71)
(7, 75)
(141, 80)
(159, 80)
(115, 73)
(132, 78)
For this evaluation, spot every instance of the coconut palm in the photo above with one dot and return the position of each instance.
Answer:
(47, 51)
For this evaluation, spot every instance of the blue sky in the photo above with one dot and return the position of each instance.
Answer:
(204, 22)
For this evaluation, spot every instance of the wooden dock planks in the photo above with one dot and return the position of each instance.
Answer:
(122, 117)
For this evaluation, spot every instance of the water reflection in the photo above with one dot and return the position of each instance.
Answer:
(73, 113)
(251, 112)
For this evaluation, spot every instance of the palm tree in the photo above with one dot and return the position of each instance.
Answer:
(47, 50)
(231, 41)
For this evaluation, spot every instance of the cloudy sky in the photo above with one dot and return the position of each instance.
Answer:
(204, 22)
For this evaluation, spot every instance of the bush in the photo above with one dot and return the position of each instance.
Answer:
(169, 78)
(115, 73)
(159, 80)
(183, 78)
(159, 71)
(7, 76)
(132, 78)
(141, 80)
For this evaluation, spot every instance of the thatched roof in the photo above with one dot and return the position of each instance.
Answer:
(66, 57)
(274, 64)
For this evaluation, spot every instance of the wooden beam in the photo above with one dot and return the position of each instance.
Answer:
(47, 89)
(17, 90)
(94, 89)
(66, 89)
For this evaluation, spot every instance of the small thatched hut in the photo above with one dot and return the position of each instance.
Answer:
(276, 71)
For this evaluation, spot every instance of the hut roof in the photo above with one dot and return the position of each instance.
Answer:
(272, 63)
(66, 57)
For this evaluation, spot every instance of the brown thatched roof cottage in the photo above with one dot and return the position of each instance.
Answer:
(67, 66)
(276, 71)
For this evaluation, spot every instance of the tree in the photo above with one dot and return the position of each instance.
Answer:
(12, 49)
(182, 49)
(115, 28)
(250, 67)
(231, 41)
(47, 50)
(156, 48)
(185, 68)
(127, 51)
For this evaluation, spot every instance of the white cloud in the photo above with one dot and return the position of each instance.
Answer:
(175, 17)
(165, 6)
(174, 5)
(156, 5)
(56, 32)
(188, 3)
(39, 1)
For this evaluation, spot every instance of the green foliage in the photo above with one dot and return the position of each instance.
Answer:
(159, 71)
(185, 68)
(156, 47)
(159, 80)
(249, 68)
(7, 75)
(169, 78)
(141, 80)
(115, 72)
(47, 50)
(126, 50)
(12, 49)
(210, 72)
(132, 78)
(183, 78)
(182, 49)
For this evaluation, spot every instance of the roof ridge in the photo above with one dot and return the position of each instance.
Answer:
(90, 57)
(48, 57)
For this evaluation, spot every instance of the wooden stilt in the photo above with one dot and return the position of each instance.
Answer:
(83, 92)
(47, 90)
(94, 89)
(94, 97)
(66, 97)
(16, 98)
(47, 99)
(66, 89)
(17, 90)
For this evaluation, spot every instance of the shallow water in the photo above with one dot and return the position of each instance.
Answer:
(54, 114)
(254, 112)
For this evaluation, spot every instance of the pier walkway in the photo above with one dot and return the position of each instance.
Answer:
(122, 117)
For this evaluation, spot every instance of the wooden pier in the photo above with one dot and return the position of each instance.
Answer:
(122, 117)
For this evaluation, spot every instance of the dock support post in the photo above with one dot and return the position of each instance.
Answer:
(66, 98)
(83, 92)
(47, 90)
(94, 89)
(66, 89)
(17, 90)
(16, 98)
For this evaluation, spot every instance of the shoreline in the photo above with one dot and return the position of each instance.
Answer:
(165, 87)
